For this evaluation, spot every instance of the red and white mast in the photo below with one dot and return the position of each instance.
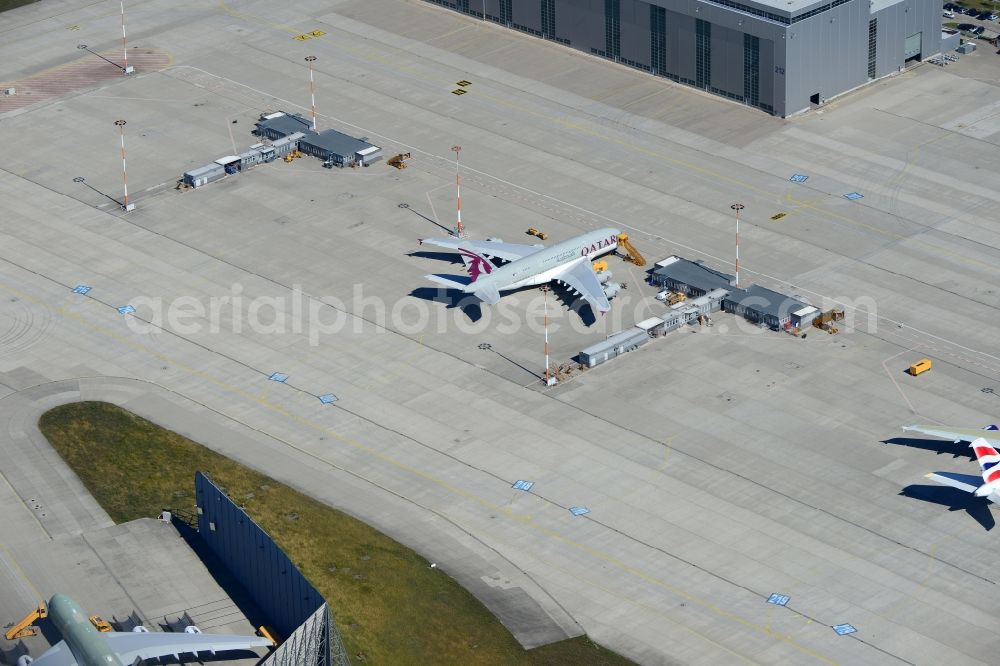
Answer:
(125, 69)
(737, 207)
(458, 191)
(312, 88)
(121, 133)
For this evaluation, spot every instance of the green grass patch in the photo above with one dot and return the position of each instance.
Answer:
(385, 599)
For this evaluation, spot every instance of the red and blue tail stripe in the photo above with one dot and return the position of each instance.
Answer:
(988, 460)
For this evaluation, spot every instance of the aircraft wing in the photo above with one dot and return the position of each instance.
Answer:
(152, 645)
(958, 434)
(57, 655)
(967, 482)
(581, 277)
(505, 251)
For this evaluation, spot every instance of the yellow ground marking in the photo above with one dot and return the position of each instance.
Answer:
(10, 556)
(667, 448)
(24, 576)
(385, 380)
(653, 609)
(911, 154)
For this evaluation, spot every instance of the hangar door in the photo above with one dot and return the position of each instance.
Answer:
(911, 49)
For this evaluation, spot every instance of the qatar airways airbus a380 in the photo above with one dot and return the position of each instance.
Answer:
(568, 262)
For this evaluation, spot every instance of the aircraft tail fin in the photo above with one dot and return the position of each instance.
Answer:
(475, 263)
(989, 462)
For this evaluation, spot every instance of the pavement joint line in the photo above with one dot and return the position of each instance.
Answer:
(895, 383)
(16, 494)
(256, 19)
(667, 448)
(691, 597)
(114, 576)
(658, 611)
(13, 560)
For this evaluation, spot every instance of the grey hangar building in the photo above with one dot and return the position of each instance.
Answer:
(781, 56)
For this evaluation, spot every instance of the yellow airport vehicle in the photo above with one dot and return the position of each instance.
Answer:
(825, 321)
(101, 624)
(398, 160)
(921, 366)
(24, 628)
(269, 633)
(633, 254)
(535, 232)
(600, 265)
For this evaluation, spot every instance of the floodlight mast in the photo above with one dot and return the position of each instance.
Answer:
(312, 88)
(121, 132)
(737, 207)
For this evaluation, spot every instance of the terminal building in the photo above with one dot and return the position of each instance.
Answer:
(781, 56)
(339, 149)
(692, 278)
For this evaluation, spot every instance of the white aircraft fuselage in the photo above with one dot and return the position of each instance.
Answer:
(544, 265)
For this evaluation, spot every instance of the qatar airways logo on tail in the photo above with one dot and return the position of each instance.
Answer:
(475, 264)
(599, 245)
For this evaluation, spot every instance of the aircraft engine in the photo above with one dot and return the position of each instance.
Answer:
(611, 289)
(24, 660)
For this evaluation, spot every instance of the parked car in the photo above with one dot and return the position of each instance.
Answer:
(977, 30)
(966, 27)
(949, 6)
(983, 16)
(947, 13)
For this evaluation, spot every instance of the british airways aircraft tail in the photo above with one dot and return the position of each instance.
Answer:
(989, 462)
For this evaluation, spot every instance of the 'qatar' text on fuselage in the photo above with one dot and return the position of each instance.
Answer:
(599, 245)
